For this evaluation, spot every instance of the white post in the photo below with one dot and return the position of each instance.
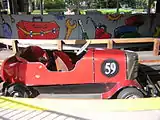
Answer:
(8, 4)
(14, 7)
(155, 2)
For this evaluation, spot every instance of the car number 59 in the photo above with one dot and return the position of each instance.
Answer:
(110, 68)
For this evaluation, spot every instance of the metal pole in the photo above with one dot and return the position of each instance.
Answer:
(149, 7)
(158, 7)
(117, 6)
(78, 7)
(41, 6)
(13, 7)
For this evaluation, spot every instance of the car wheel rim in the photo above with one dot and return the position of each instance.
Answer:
(16, 94)
(131, 96)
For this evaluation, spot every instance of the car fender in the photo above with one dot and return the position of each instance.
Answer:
(118, 86)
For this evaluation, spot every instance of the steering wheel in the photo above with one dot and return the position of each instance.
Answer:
(83, 48)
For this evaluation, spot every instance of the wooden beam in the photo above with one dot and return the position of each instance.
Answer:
(15, 46)
(60, 45)
(110, 44)
(76, 42)
(156, 47)
(134, 40)
(92, 41)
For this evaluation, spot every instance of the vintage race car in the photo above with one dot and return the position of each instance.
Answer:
(111, 73)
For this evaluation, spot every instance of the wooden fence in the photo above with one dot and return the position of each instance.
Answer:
(60, 43)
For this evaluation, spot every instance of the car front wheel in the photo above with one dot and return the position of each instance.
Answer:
(17, 90)
(130, 93)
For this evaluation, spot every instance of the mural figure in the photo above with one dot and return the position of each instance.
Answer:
(37, 29)
(12, 19)
(100, 30)
(60, 17)
(126, 32)
(7, 30)
(136, 20)
(157, 31)
(70, 27)
(114, 17)
(130, 29)
(84, 33)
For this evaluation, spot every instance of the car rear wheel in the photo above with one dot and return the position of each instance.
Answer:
(130, 93)
(17, 90)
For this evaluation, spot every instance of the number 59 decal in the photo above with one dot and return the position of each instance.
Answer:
(110, 68)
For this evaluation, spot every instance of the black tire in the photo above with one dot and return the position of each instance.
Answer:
(4, 86)
(17, 90)
(34, 92)
(130, 93)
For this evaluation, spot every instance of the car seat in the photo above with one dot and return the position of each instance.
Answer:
(63, 61)
(34, 54)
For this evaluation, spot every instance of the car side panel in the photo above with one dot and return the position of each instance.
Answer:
(38, 74)
(109, 54)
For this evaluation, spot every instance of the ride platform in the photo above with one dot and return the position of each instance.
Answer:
(84, 109)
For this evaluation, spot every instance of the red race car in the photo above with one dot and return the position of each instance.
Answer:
(110, 73)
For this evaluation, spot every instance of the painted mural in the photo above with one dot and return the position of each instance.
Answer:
(37, 29)
(114, 17)
(83, 31)
(100, 30)
(130, 29)
(60, 17)
(6, 27)
(70, 27)
(78, 26)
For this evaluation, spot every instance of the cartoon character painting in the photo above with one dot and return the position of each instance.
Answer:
(100, 30)
(130, 29)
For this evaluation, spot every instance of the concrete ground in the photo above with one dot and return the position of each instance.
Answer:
(71, 109)
(12, 114)
(54, 106)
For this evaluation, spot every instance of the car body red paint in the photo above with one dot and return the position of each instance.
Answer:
(86, 71)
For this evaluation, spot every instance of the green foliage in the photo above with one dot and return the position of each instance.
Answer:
(111, 4)
(39, 12)
(128, 3)
(60, 4)
(141, 3)
(54, 4)
(98, 4)
(112, 11)
(55, 10)
(109, 11)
